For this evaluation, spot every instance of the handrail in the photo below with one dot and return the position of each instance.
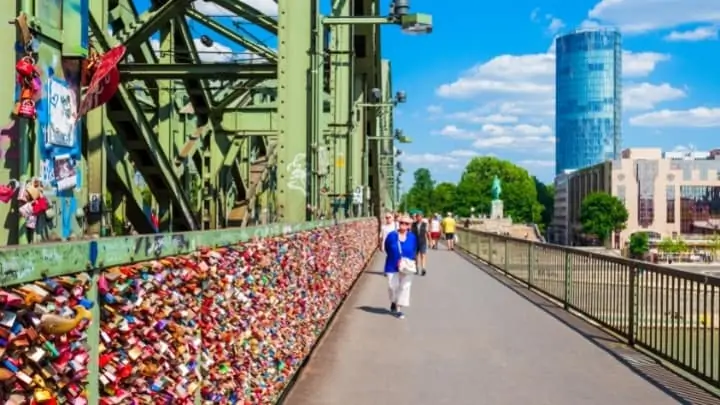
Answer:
(664, 269)
(27, 263)
(674, 314)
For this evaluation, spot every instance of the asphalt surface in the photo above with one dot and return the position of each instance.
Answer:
(471, 338)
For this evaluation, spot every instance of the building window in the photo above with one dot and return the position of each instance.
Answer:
(670, 197)
(699, 209)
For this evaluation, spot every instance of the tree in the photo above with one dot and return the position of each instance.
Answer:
(714, 245)
(420, 195)
(639, 245)
(669, 246)
(444, 198)
(666, 246)
(601, 214)
(546, 198)
(519, 194)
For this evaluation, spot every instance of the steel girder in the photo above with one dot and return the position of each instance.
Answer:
(211, 150)
(186, 71)
(226, 124)
(258, 49)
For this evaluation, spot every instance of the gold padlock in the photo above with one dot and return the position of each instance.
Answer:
(42, 395)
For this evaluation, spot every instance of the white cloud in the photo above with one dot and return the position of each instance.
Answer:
(638, 16)
(464, 153)
(452, 131)
(701, 117)
(531, 75)
(538, 139)
(268, 7)
(480, 117)
(645, 96)
(555, 25)
(427, 158)
(697, 34)
(453, 160)
(434, 109)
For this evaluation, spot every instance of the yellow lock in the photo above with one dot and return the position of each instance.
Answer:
(43, 395)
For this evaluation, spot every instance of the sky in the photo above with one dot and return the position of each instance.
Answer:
(482, 84)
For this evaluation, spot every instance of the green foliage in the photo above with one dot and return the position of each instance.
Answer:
(714, 245)
(672, 246)
(444, 198)
(546, 198)
(519, 193)
(601, 214)
(639, 244)
(420, 195)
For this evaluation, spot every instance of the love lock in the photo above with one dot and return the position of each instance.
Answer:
(28, 79)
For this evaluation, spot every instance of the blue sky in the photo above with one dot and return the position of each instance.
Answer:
(483, 82)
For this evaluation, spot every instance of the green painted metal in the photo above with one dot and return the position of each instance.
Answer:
(252, 46)
(211, 137)
(153, 20)
(669, 313)
(257, 120)
(25, 264)
(174, 71)
(249, 13)
(295, 21)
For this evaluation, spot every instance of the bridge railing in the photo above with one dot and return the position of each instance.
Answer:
(222, 316)
(672, 313)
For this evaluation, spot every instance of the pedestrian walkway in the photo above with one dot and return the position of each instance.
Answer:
(471, 337)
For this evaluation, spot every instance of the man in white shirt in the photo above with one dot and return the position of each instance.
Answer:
(388, 226)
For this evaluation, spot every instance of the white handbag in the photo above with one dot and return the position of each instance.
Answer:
(407, 266)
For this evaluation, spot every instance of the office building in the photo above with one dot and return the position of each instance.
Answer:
(666, 194)
(588, 98)
(558, 230)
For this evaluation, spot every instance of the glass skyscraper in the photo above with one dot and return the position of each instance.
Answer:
(588, 94)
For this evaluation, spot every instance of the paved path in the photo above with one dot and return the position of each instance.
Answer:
(468, 339)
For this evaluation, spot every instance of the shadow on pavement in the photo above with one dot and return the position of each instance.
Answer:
(684, 391)
(375, 272)
(374, 310)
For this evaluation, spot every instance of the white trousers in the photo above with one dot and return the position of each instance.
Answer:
(399, 288)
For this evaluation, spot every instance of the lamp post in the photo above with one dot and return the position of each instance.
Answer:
(399, 137)
(415, 23)
(384, 108)
(411, 23)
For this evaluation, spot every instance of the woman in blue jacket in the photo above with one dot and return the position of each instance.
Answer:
(399, 244)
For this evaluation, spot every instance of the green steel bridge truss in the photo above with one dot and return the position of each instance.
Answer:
(283, 134)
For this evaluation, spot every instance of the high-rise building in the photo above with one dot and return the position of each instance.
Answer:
(588, 102)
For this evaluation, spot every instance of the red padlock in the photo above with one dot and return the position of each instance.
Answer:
(27, 77)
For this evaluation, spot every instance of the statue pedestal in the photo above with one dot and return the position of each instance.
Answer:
(496, 210)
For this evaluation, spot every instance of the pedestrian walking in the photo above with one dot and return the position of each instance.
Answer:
(401, 248)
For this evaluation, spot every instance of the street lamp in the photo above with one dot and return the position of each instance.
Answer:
(410, 23)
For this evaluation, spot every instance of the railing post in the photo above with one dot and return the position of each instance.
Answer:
(531, 254)
(568, 280)
(490, 250)
(631, 316)
(507, 255)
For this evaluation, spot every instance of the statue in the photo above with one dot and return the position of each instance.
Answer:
(496, 189)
